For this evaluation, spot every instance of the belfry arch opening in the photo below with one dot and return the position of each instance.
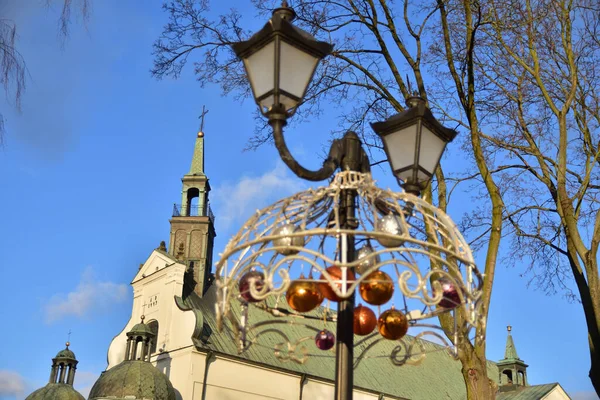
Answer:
(507, 377)
(193, 199)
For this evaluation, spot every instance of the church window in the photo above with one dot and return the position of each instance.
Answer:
(153, 325)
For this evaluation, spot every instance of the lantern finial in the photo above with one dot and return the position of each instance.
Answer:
(285, 12)
(414, 101)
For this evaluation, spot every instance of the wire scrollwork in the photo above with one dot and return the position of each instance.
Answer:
(299, 239)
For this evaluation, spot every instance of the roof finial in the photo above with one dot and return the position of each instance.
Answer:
(68, 339)
(509, 328)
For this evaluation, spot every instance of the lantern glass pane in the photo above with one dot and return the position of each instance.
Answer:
(260, 67)
(400, 146)
(297, 68)
(432, 148)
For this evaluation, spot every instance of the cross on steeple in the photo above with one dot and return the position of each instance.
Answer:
(143, 310)
(69, 337)
(201, 118)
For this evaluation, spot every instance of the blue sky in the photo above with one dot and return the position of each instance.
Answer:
(90, 171)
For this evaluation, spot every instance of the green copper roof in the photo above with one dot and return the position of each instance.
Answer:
(437, 377)
(140, 329)
(197, 167)
(536, 392)
(55, 391)
(510, 353)
(66, 353)
(133, 380)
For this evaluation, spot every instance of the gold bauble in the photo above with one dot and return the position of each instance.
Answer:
(335, 273)
(377, 288)
(392, 324)
(365, 320)
(303, 296)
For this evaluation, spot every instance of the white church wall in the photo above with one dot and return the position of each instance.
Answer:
(154, 288)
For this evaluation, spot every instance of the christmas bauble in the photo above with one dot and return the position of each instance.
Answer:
(285, 241)
(325, 339)
(335, 273)
(364, 321)
(368, 260)
(303, 295)
(451, 297)
(392, 324)
(377, 288)
(255, 277)
(392, 225)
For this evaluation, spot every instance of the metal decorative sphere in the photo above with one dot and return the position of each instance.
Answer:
(335, 273)
(377, 288)
(285, 240)
(392, 225)
(325, 339)
(249, 278)
(392, 324)
(365, 254)
(365, 321)
(303, 295)
(396, 233)
(451, 297)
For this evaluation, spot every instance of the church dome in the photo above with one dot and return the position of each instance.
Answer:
(55, 391)
(133, 379)
(66, 353)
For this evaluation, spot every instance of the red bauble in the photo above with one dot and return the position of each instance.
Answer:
(244, 286)
(325, 339)
(451, 297)
(335, 273)
(364, 321)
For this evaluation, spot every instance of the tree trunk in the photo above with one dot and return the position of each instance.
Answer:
(479, 385)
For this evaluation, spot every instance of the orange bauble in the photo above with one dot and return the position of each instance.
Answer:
(335, 273)
(365, 321)
(377, 288)
(392, 324)
(303, 296)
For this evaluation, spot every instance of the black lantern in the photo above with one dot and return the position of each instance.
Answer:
(280, 61)
(414, 141)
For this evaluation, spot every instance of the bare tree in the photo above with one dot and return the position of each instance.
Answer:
(519, 77)
(13, 69)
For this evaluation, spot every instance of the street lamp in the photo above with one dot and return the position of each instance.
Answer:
(259, 262)
(414, 142)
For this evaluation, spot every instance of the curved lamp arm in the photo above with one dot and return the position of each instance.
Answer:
(329, 165)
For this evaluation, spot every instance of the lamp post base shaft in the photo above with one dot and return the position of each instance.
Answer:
(344, 351)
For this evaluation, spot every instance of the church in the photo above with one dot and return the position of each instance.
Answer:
(171, 349)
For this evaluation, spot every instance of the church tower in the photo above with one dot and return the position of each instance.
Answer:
(192, 224)
(513, 371)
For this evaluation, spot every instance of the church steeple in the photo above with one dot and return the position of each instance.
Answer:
(513, 371)
(192, 225)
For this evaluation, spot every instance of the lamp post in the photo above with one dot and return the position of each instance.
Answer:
(280, 61)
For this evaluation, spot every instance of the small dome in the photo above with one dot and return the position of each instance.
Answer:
(66, 353)
(55, 391)
(140, 329)
(133, 380)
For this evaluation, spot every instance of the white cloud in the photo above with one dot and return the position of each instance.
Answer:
(90, 295)
(84, 380)
(237, 201)
(11, 384)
